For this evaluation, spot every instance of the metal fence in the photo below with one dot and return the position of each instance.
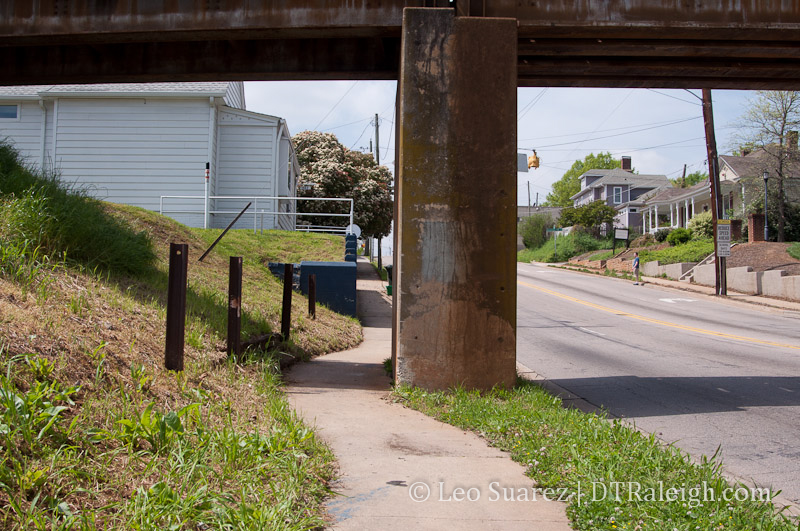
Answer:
(258, 214)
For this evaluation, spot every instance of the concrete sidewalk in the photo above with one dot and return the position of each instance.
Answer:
(400, 469)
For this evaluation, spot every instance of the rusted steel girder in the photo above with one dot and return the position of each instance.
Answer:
(614, 43)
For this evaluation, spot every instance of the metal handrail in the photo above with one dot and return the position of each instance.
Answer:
(259, 214)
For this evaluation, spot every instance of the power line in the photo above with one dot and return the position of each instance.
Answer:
(674, 97)
(359, 136)
(389, 142)
(658, 124)
(628, 95)
(336, 104)
(531, 104)
(614, 135)
(343, 125)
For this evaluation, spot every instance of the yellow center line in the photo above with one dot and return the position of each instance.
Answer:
(657, 321)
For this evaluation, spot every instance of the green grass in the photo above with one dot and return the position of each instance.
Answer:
(567, 247)
(94, 432)
(276, 245)
(193, 467)
(382, 273)
(794, 250)
(570, 452)
(39, 215)
(691, 251)
(602, 255)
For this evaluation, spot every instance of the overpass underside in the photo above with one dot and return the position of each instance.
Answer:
(458, 65)
(571, 43)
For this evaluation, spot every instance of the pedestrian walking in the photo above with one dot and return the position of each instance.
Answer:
(636, 268)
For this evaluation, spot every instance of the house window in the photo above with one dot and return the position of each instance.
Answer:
(9, 112)
(633, 210)
(617, 195)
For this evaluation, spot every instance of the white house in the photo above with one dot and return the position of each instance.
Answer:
(134, 143)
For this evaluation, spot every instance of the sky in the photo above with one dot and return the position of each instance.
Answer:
(661, 130)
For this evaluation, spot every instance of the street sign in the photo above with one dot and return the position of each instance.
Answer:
(723, 238)
(620, 234)
(522, 162)
(554, 230)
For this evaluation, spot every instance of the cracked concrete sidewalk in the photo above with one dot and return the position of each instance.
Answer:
(400, 469)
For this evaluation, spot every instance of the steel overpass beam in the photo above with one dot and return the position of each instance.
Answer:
(455, 298)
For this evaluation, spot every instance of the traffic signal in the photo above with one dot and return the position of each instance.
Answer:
(533, 160)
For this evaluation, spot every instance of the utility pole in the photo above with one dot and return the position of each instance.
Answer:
(683, 179)
(529, 199)
(378, 161)
(721, 285)
(377, 141)
(537, 200)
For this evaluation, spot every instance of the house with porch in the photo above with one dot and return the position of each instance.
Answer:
(747, 172)
(148, 145)
(672, 208)
(621, 189)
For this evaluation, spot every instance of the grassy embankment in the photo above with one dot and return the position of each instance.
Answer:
(94, 433)
(590, 457)
(565, 248)
(691, 251)
(794, 250)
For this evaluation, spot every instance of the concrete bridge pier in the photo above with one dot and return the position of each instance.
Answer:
(455, 224)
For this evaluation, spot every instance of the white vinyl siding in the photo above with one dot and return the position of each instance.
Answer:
(285, 187)
(234, 96)
(25, 131)
(245, 167)
(134, 150)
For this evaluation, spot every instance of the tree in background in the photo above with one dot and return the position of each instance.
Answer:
(592, 216)
(331, 170)
(692, 179)
(769, 126)
(534, 230)
(570, 183)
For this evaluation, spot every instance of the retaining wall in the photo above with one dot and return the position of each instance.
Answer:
(744, 280)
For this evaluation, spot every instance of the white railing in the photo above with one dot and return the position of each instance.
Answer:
(258, 215)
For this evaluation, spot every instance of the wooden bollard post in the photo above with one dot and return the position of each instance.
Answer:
(286, 313)
(312, 296)
(235, 306)
(176, 306)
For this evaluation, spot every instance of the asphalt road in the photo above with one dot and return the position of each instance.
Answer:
(697, 371)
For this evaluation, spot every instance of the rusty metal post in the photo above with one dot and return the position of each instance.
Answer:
(176, 306)
(235, 306)
(312, 296)
(286, 311)
(455, 265)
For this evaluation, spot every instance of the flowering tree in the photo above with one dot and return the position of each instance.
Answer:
(332, 170)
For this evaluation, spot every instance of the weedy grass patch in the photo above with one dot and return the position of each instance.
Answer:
(94, 432)
(574, 451)
(114, 459)
(691, 251)
(794, 250)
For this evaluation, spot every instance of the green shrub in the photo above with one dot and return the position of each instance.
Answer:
(679, 236)
(702, 226)
(661, 235)
(534, 230)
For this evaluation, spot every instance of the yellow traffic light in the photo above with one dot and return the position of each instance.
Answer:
(533, 160)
